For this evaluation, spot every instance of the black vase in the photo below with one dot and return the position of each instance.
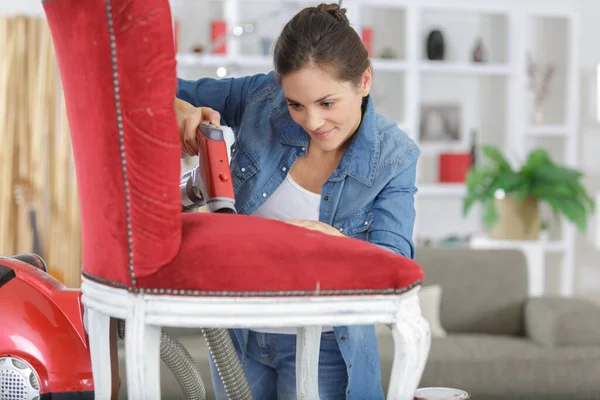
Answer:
(435, 45)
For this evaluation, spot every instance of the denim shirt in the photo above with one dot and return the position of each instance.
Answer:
(370, 196)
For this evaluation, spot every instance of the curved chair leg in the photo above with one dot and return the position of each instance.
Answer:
(308, 346)
(98, 329)
(142, 356)
(423, 332)
(412, 340)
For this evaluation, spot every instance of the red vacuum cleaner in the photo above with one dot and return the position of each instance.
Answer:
(44, 349)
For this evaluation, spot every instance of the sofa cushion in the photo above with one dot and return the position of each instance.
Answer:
(430, 298)
(562, 321)
(490, 366)
(483, 291)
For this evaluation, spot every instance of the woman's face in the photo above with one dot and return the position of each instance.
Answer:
(329, 110)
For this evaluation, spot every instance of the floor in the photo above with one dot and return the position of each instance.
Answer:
(193, 341)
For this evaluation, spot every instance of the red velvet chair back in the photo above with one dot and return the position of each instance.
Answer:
(118, 70)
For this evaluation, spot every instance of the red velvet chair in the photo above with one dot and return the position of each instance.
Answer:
(147, 263)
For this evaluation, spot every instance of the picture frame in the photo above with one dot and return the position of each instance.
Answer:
(441, 124)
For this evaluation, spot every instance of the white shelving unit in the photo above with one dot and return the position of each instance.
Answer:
(442, 189)
(560, 131)
(463, 68)
(492, 96)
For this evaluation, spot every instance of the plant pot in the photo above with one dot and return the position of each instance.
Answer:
(517, 220)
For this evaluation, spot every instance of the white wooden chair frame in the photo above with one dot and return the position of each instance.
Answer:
(145, 315)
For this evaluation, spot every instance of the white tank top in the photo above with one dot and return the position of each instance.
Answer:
(290, 201)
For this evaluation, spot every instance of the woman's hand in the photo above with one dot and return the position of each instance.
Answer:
(189, 118)
(316, 226)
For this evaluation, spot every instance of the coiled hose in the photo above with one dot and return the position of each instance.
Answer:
(180, 362)
(182, 365)
(228, 364)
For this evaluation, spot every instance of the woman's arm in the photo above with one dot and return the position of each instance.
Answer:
(188, 119)
(226, 96)
(394, 210)
(316, 226)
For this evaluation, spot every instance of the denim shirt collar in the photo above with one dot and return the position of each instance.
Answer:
(361, 156)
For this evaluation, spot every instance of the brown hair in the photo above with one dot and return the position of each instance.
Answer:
(321, 36)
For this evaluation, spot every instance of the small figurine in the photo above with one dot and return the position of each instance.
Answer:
(478, 51)
(388, 53)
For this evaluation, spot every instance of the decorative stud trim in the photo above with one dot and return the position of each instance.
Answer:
(122, 150)
(107, 282)
(282, 293)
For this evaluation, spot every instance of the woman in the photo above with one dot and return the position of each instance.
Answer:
(310, 150)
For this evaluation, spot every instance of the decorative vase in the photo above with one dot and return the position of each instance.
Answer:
(517, 220)
(537, 114)
(436, 46)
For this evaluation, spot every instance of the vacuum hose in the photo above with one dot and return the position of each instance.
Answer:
(180, 362)
(183, 367)
(228, 364)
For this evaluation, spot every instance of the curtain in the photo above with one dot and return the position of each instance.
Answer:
(39, 209)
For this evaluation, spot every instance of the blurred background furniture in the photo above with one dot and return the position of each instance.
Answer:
(502, 343)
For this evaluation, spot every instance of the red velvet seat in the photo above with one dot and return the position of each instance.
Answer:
(118, 69)
(244, 256)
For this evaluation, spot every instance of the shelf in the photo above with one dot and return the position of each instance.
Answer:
(388, 65)
(256, 62)
(443, 67)
(216, 60)
(555, 246)
(202, 60)
(550, 246)
(441, 189)
(548, 130)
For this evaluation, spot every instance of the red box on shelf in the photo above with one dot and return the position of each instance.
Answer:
(454, 167)
(218, 36)
(176, 32)
(367, 38)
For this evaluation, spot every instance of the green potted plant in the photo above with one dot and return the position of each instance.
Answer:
(510, 198)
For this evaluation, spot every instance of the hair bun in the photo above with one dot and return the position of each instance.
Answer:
(334, 10)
